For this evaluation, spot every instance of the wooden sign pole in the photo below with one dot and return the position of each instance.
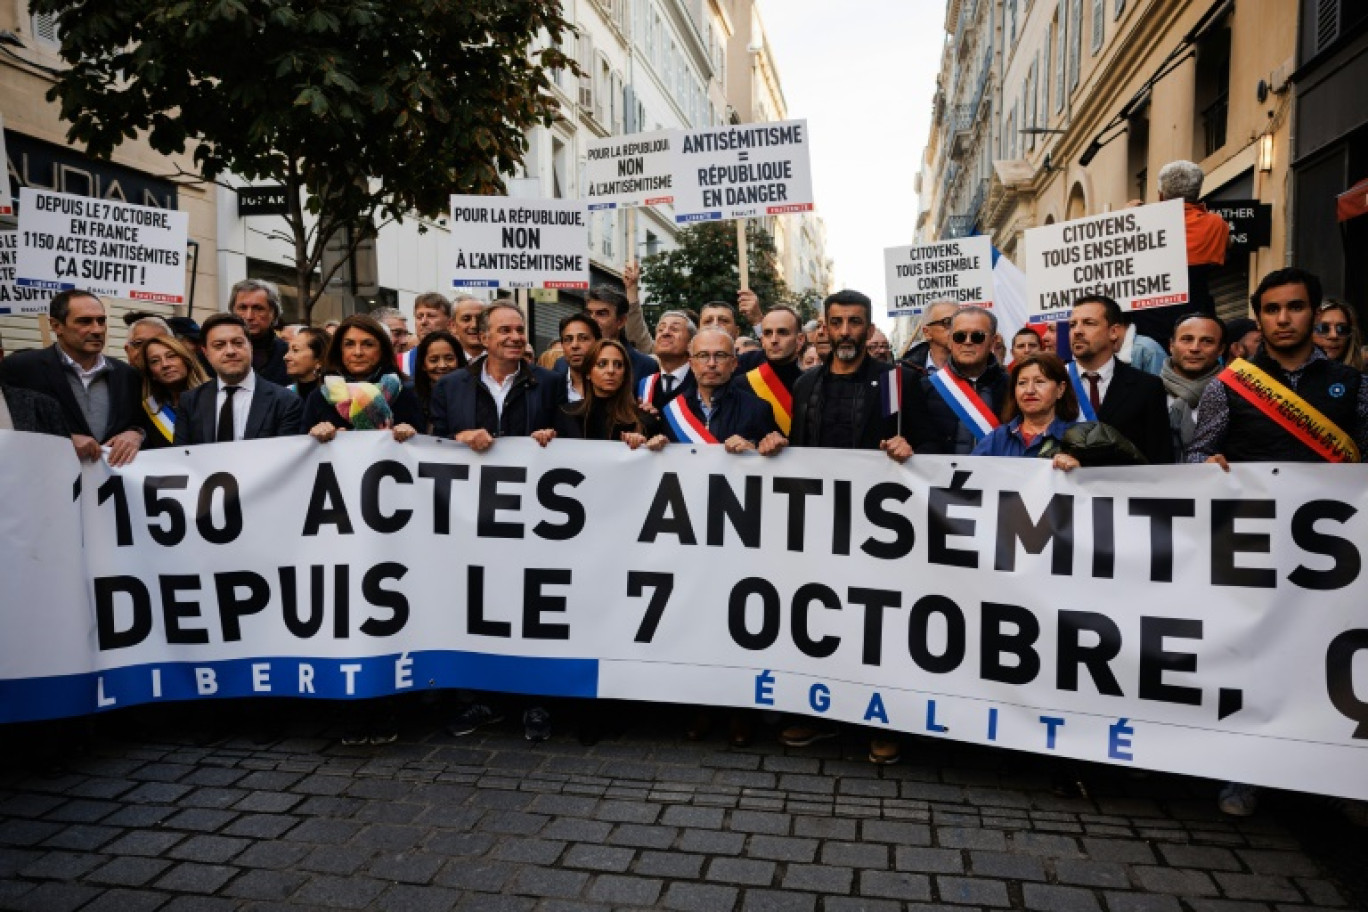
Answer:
(742, 254)
(44, 330)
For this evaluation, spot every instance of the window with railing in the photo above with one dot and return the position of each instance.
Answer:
(1211, 92)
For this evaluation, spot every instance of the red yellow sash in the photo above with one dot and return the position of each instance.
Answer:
(769, 387)
(1289, 411)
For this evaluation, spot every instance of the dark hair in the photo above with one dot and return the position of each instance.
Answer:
(714, 305)
(610, 295)
(371, 327)
(1053, 369)
(482, 322)
(1198, 315)
(579, 316)
(222, 318)
(60, 305)
(318, 341)
(1238, 328)
(622, 408)
(784, 308)
(1289, 275)
(1114, 315)
(422, 383)
(849, 298)
(1027, 331)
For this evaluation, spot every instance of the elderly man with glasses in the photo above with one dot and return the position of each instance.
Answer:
(930, 355)
(955, 407)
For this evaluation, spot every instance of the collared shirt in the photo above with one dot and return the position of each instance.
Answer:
(242, 403)
(1105, 372)
(571, 394)
(86, 377)
(496, 389)
(680, 374)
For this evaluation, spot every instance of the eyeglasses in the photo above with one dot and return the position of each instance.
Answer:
(1333, 329)
(943, 323)
(977, 337)
(712, 357)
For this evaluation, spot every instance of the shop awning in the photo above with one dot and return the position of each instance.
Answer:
(1353, 202)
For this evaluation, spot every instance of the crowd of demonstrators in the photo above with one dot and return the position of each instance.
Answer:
(467, 373)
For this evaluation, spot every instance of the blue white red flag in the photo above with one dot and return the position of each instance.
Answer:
(890, 392)
(965, 402)
(684, 424)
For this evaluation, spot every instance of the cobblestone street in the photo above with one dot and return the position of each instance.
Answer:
(159, 820)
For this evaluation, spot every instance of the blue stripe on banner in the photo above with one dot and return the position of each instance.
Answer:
(594, 207)
(474, 283)
(34, 699)
(699, 217)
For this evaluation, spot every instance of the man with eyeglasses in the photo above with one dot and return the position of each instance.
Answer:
(930, 355)
(715, 411)
(139, 333)
(955, 407)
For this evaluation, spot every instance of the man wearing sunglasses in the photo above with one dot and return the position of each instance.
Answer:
(957, 406)
(930, 355)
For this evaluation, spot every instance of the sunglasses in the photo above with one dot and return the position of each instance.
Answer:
(976, 337)
(1333, 329)
(943, 323)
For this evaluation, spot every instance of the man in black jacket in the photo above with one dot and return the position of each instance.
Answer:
(715, 409)
(1130, 400)
(99, 396)
(954, 408)
(237, 404)
(257, 302)
(773, 379)
(499, 395)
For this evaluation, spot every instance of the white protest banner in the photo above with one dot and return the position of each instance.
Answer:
(114, 249)
(633, 170)
(6, 198)
(1136, 256)
(960, 270)
(743, 171)
(15, 299)
(1170, 617)
(499, 242)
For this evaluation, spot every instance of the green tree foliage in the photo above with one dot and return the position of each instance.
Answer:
(363, 109)
(703, 268)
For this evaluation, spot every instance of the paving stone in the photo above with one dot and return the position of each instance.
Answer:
(895, 885)
(267, 802)
(82, 811)
(781, 848)
(480, 875)
(460, 843)
(54, 897)
(1211, 858)
(65, 866)
(1178, 881)
(1092, 873)
(406, 867)
(630, 891)
(670, 864)
(206, 904)
(856, 854)
(408, 898)
(599, 858)
(859, 904)
(209, 849)
(1265, 887)
(1048, 898)
(129, 872)
(641, 836)
(826, 827)
(337, 859)
(628, 812)
(1119, 850)
(1141, 902)
(125, 901)
(972, 891)
(690, 897)
(1006, 866)
(1045, 845)
(574, 829)
(266, 885)
(82, 837)
(712, 842)
(324, 831)
(339, 892)
(929, 861)
(272, 856)
(484, 902)
(777, 901)
(528, 851)
(204, 820)
(549, 882)
(897, 832)
(260, 826)
(191, 877)
(1291, 864)
(971, 838)
(742, 871)
(1321, 892)
(701, 817)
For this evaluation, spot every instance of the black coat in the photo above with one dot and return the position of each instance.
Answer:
(406, 410)
(33, 412)
(641, 365)
(272, 366)
(736, 412)
(43, 372)
(872, 427)
(1136, 404)
(460, 402)
(933, 427)
(274, 413)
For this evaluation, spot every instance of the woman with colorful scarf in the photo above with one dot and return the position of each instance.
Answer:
(362, 389)
(169, 369)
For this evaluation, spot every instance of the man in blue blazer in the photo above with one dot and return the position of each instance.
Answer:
(238, 404)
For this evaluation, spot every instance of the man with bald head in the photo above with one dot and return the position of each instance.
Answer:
(715, 411)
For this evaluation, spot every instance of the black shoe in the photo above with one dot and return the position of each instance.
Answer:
(536, 724)
(473, 718)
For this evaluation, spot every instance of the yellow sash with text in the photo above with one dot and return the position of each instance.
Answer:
(1289, 411)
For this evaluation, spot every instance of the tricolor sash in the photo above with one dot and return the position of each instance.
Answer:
(1289, 411)
(163, 418)
(767, 385)
(965, 402)
(1085, 409)
(686, 426)
(646, 388)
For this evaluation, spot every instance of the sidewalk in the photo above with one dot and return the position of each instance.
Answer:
(644, 820)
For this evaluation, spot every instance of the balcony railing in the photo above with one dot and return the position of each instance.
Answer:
(1214, 123)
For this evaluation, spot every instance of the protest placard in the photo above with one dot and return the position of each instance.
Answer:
(15, 299)
(6, 198)
(114, 249)
(743, 171)
(960, 270)
(635, 170)
(1136, 256)
(498, 242)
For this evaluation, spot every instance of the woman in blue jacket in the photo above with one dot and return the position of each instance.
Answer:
(1035, 416)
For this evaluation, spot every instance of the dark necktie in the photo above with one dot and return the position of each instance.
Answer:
(1094, 378)
(225, 422)
(669, 381)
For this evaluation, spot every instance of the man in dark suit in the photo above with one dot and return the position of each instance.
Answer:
(609, 308)
(257, 302)
(1130, 400)
(239, 404)
(99, 396)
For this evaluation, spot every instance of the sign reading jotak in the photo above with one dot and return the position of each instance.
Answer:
(1170, 617)
(114, 249)
(634, 170)
(1136, 256)
(960, 270)
(498, 242)
(743, 171)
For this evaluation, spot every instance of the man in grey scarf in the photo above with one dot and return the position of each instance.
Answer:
(1194, 360)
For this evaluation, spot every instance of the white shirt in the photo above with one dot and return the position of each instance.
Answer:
(571, 394)
(679, 373)
(87, 377)
(242, 404)
(1104, 373)
(496, 389)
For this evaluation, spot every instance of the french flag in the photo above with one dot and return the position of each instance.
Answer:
(891, 392)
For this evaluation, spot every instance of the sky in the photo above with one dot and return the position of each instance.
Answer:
(863, 74)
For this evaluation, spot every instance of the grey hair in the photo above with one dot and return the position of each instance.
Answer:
(382, 314)
(271, 289)
(152, 321)
(975, 310)
(943, 302)
(1181, 180)
(688, 321)
(712, 331)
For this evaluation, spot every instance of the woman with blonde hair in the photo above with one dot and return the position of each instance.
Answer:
(1337, 333)
(169, 369)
